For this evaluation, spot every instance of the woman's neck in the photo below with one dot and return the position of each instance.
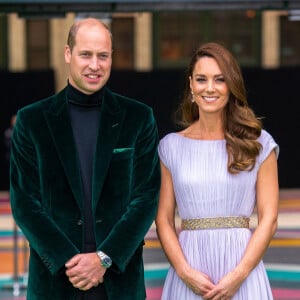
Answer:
(205, 130)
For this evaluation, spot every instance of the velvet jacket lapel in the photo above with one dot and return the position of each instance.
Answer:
(58, 121)
(111, 119)
(59, 124)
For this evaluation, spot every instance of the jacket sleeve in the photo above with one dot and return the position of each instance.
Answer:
(44, 236)
(129, 232)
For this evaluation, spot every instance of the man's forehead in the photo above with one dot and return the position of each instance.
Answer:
(87, 26)
(86, 31)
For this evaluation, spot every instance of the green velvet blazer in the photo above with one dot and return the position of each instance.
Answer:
(47, 198)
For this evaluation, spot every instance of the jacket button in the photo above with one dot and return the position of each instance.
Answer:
(79, 222)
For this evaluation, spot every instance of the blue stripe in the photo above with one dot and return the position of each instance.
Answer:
(10, 233)
(272, 274)
(156, 274)
(283, 275)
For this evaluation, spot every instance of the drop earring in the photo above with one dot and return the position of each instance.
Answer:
(193, 99)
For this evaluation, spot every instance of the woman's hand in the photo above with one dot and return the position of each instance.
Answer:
(226, 287)
(198, 282)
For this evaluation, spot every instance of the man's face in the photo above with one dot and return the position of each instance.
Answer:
(91, 58)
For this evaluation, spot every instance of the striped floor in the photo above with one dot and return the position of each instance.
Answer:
(289, 275)
(284, 277)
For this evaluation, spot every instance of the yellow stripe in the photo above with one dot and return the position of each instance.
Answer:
(152, 244)
(285, 243)
(292, 203)
(274, 243)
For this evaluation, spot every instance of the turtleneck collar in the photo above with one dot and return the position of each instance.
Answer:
(76, 97)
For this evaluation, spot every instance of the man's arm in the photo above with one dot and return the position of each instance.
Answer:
(128, 233)
(43, 234)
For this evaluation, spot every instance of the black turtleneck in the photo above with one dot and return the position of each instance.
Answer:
(85, 115)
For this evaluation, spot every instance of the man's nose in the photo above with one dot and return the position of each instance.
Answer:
(94, 63)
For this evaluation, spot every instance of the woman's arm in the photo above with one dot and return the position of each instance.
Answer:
(166, 230)
(267, 194)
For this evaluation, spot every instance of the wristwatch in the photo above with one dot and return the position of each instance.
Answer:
(106, 261)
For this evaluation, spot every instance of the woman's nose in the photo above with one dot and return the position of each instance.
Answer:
(210, 86)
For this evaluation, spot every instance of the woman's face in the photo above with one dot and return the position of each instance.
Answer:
(208, 86)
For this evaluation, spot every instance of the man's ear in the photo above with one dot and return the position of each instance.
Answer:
(68, 54)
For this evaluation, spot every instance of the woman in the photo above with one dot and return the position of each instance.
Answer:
(215, 171)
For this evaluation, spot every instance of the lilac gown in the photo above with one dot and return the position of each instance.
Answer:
(203, 188)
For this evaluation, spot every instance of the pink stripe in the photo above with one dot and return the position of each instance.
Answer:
(283, 294)
(279, 294)
(154, 293)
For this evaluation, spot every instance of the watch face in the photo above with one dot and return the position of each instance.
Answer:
(106, 261)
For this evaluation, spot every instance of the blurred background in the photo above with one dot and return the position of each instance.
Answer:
(153, 41)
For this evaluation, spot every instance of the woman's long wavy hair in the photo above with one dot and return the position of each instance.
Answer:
(241, 126)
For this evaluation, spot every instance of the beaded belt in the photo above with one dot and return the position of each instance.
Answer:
(213, 223)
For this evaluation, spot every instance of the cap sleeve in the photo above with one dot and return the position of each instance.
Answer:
(164, 151)
(268, 145)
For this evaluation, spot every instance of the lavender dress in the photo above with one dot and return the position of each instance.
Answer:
(204, 188)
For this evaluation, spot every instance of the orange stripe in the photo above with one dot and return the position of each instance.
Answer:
(285, 243)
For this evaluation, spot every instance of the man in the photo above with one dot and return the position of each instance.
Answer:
(84, 180)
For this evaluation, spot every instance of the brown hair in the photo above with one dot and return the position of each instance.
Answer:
(71, 41)
(241, 126)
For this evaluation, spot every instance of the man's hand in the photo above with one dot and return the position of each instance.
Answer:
(85, 271)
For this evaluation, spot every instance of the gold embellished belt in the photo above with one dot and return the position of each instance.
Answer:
(214, 223)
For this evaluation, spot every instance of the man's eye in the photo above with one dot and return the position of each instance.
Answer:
(103, 56)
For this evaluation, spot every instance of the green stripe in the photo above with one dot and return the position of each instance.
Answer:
(272, 274)
(156, 274)
(283, 275)
(162, 273)
(6, 233)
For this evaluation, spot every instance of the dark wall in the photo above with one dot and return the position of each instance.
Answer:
(17, 90)
(271, 93)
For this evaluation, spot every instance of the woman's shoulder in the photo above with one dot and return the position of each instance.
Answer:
(176, 136)
(268, 143)
(265, 136)
(169, 137)
(166, 148)
(169, 142)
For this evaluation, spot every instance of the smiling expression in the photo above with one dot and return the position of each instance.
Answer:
(208, 86)
(90, 59)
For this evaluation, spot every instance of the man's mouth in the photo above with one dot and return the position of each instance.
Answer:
(93, 76)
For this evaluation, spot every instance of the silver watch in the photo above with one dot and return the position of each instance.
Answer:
(106, 261)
